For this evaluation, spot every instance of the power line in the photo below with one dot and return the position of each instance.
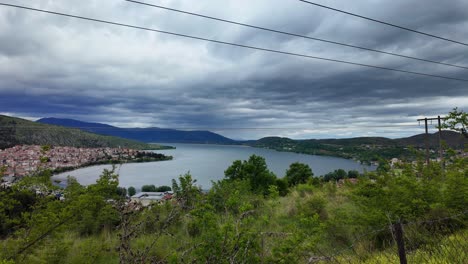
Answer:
(296, 35)
(235, 44)
(385, 23)
(136, 129)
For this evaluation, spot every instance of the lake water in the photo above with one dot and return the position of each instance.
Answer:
(207, 163)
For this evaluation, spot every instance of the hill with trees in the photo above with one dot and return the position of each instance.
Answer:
(16, 131)
(149, 135)
(365, 149)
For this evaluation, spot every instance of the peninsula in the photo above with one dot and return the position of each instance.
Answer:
(23, 160)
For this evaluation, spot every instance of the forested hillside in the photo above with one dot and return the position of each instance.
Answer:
(149, 135)
(365, 149)
(15, 131)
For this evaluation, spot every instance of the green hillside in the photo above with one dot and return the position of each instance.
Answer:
(16, 131)
(365, 149)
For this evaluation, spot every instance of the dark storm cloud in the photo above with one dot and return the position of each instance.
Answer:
(54, 66)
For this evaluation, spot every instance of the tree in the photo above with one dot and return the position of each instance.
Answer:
(230, 196)
(335, 175)
(163, 188)
(148, 188)
(107, 184)
(131, 191)
(298, 173)
(235, 171)
(186, 191)
(456, 193)
(456, 120)
(282, 185)
(121, 191)
(45, 148)
(89, 206)
(384, 166)
(255, 171)
(353, 174)
(14, 204)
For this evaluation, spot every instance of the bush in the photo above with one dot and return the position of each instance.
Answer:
(148, 188)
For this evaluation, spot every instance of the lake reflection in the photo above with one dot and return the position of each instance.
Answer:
(207, 163)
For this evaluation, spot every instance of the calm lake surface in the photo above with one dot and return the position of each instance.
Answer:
(207, 163)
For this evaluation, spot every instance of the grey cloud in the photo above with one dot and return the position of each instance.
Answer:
(53, 66)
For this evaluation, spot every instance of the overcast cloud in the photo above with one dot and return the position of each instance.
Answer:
(53, 66)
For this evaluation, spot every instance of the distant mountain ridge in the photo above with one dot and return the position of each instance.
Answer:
(452, 139)
(363, 148)
(17, 131)
(149, 135)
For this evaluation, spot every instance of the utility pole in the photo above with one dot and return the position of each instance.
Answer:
(426, 141)
(441, 155)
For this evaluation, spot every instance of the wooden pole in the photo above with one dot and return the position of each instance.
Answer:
(441, 154)
(426, 141)
(398, 230)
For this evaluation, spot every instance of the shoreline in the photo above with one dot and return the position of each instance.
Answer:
(55, 173)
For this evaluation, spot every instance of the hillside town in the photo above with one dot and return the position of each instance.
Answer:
(23, 160)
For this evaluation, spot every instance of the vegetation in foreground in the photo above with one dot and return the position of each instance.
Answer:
(249, 217)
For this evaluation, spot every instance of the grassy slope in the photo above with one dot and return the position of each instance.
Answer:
(277, 216)
(14, 131)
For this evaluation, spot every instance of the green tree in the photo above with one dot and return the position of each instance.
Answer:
(107, 184)
(148, 188)
(456, 193)
(282, 185)
(163, 188)
(235, 171)
(121, 191)
(45, 148)
(341, 174)
(90, 207)
(456, 120)
(384, 166)
(298, 173)
(14, 203)
(186, 192)
(353, 174)
(255, 171)
(233, 197)
(335, 175)
(131, 191)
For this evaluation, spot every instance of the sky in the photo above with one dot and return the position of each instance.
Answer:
(52, 66)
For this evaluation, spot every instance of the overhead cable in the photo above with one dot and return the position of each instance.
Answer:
(297, 35)
(236, 44)
(384, 23)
